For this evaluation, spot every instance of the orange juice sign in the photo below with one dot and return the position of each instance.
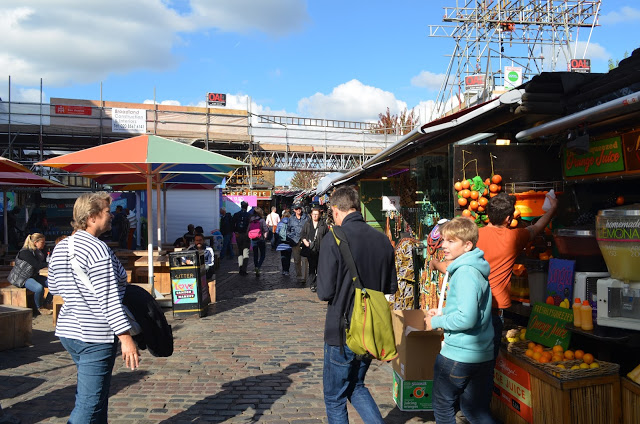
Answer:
(512, 386)
(603, 156)
(547, 325)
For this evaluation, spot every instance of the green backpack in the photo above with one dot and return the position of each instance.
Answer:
(370, 331)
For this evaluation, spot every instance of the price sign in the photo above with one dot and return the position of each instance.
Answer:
(547, 325)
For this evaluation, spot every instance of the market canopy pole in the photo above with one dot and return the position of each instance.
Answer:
(149, 231)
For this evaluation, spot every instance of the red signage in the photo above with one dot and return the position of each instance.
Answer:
(580, 65)
(216, 99)
(512, 385)
(474, 81)
(73, 110)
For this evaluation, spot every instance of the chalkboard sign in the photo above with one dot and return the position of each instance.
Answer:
(560, 280)
(547, 325)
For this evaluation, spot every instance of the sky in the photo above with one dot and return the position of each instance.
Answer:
(332, 59)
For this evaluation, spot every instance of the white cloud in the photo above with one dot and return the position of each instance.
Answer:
(78, 41)
(626, 14)
(350, 101)
(27, 95)
(164, 102)
(428, 80)
(424, 111)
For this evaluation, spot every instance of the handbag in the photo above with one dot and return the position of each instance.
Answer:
(21, 271)
(370, 332)
(310, 250)
(84, 278)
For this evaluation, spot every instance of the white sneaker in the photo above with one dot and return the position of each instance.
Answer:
(285, 272)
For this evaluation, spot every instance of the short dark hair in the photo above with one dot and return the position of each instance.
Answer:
(345, 199)
(244, 205)
(199, 230)
(500, 207)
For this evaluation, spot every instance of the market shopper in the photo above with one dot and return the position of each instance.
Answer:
(296, 222)
(344, 372)
(272, 221)
(226, 229)
(26, 272)
(90, 320)
(209, 257)
(258, 231)
(311, 237)
(282, 245)
(463, 372)
(241, 227)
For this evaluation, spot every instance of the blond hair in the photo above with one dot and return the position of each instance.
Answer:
(89, 205)
(31, 240)
(461, 228)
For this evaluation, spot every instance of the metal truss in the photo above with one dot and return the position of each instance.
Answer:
(491, 33)
(304, 161)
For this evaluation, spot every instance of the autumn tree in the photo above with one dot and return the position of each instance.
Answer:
(306, 180)
(395, 124)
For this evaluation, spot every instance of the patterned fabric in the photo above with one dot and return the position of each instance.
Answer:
(404, 298)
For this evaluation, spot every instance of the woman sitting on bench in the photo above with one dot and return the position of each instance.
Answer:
(34, 254)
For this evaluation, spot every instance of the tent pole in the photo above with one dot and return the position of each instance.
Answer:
(158, 217)
(149, 230)
(164, 211)
(138, 226)
(4, 216)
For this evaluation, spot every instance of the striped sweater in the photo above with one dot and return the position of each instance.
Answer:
(85, 316)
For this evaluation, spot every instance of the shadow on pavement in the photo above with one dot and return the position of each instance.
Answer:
(396, 416)
(12, 386)
(258, 393)
(42, 343)
(59, 403)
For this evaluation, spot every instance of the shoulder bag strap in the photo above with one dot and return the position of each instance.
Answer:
(84, 278)
(343, 245)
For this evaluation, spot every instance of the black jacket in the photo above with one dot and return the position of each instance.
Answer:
(375, 260)
(308, 232)
(36, 258)
(226, 224)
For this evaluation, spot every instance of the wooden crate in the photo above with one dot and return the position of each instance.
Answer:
(15, 327)
(15, 296)
(591, 400)
(630, 401)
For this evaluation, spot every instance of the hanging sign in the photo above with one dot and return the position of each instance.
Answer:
(560, 280)
(512, 385)
(216, 99)
(603, 156)
(72, 110)
(129, 120)
(512, 77)
(547, 325)
(580, 65)
(631, 145)
(474, 82)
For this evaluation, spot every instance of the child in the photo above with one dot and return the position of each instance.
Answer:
(463, 372)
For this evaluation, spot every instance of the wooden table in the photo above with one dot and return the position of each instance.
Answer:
(162, 278)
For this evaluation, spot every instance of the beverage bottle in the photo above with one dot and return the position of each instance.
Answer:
(585, 316)
(577, 304)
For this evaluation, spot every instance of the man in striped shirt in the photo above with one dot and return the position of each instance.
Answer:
(90, 320)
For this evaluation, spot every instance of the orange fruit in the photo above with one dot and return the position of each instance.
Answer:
(458, 186)
(496, 179)
(538, 348)
(568, 354)
(499, 187)
(473, 205)
(485, 192)
(465, 184)
(578, 354)
(557, 358)
(531, 345)
(466, 193)
(537, 356)
(559, 349)
(487, 182)
(482, 201)
(588, 358)
(493, 188)
(474, 194)
(620, 200)
(514, 223)
(481, 209)
(529, 353)
(550, 301)
(544, 359)
(462, 201)
(466, 213)
(547, 354)
(493, 194)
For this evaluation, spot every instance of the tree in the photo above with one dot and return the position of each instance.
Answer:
(395, 124)
(613, 65)
(306, 180)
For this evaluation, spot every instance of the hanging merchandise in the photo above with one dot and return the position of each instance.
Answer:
(431, 280)
(404, 297)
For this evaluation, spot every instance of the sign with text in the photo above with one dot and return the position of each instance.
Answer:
(129, 120)
(560, 280)
(184, 290)
(512, 77)
(476, 82)
(216, 99)
(580, 65)
(603, 156)
(259, 194)
(631, 146)
(547, 325)
(512, 385)
(72, 110)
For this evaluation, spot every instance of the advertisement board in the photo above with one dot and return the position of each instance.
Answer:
(72, 110)
(547, 325)
(216, 99)
(512, 77)
(129, 120)
(603, 156)
(512, 385)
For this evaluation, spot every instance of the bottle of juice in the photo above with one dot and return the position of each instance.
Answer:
(585, 316)
(577, 322)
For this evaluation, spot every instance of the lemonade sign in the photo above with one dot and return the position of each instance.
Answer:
(547, 325)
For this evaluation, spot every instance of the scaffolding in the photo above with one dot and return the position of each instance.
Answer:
(489, 34)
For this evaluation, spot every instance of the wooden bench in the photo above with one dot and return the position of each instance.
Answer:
(15, 327)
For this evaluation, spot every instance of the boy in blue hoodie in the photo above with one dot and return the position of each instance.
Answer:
(463, 372)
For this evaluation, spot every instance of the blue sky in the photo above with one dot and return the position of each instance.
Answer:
(324, 59)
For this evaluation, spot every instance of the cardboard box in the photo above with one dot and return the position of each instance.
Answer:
(417, 348)
(412, 395)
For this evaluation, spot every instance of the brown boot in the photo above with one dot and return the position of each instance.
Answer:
(45, 311)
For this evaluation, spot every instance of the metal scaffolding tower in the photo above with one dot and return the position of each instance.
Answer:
(491, 34)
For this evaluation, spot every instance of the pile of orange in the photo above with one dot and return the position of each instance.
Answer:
(538, 353)
(474, 202)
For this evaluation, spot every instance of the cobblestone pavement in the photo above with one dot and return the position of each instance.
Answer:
(256, 357)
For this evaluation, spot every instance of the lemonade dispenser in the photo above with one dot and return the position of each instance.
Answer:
(618, 235)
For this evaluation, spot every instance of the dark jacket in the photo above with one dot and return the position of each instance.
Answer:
(226, 224)
(295, 226)
(241, 221)
(156, 335)
(308, 232)
(375, 260)
(36, 258)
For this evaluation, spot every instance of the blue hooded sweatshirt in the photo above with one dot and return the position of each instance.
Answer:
(466, 318)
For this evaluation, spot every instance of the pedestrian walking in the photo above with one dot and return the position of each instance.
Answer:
(258, 231)
(272, 221)
(296, 222)
(226, 229)
(241, 227)
(282, 245)
(312, 233)
(344, 372)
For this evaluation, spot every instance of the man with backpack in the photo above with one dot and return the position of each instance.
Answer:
(241, 228)
(344, 371)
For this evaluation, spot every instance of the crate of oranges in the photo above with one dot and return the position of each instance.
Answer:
(564, 364)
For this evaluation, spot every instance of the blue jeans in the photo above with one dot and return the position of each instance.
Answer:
(259, 245)
(469, 385)
(37, 285)
(226, 246)
(343, 379)
(94, 362)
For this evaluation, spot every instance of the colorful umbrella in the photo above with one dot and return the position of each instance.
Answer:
(149, 159)
(12, 174)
